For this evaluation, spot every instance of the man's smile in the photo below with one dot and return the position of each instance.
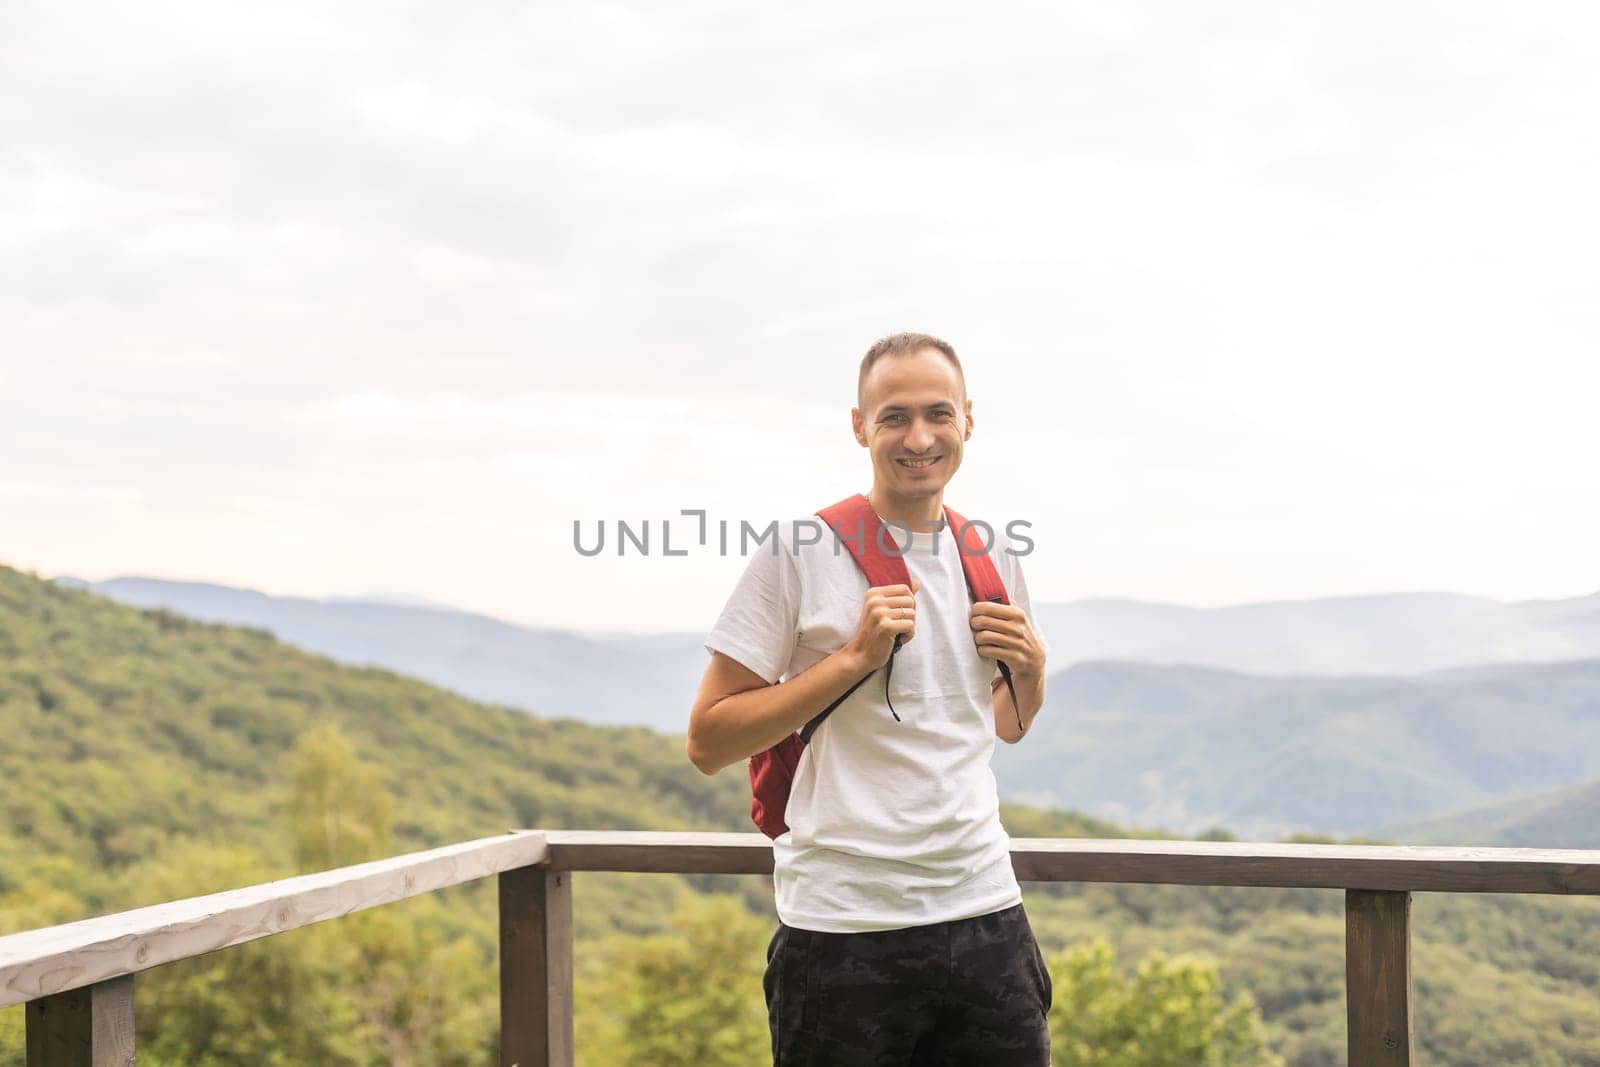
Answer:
(919, 464)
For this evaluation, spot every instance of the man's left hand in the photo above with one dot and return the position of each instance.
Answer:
(1003, 633)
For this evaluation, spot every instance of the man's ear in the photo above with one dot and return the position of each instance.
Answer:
(968, 436)
(859, 425)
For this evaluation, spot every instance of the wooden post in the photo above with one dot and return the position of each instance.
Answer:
(536, 968)
(88, 1027)
(1377, 925)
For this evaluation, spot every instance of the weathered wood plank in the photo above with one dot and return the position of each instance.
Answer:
(90, 1027)
(1378, 977)
(661, 852)
(1400, 868)
(536, 962)
(1231, 863)
(41, 962)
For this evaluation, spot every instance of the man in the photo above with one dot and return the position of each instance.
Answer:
(902, 937)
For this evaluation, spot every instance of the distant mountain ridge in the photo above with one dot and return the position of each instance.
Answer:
(1568, 817)
(626, 678)
(1182, 746)
(645, 681)
(1400, 633)
(1187, 748)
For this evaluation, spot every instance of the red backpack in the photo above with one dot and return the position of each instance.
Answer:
(876, 552)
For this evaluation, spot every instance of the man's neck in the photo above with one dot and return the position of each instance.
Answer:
(921, 514)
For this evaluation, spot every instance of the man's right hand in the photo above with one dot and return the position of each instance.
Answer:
(738, 713)
(887, 611)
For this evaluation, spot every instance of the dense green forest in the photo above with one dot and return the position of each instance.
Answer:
(148, 757)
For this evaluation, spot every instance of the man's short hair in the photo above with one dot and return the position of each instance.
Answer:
(905, 344)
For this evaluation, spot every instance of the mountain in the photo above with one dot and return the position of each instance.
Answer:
(1187, 748)
(1403, 633)
(1550, 818)
(639, 681)
(124, 726)
(650, 680)
(148, 756)
(1177, 746)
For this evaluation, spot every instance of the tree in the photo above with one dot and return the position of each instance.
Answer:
(691, 998)
(338, 807)
(276, 1002)
(1169, 1013)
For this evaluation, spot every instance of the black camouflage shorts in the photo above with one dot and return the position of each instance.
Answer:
(969, 991)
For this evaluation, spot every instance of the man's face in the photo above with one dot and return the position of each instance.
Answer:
(914, 410)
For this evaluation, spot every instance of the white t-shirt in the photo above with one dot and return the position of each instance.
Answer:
(891, 824)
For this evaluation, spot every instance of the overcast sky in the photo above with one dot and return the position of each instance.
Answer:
(1257, 300)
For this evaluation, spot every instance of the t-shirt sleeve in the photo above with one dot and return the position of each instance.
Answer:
(758, 625)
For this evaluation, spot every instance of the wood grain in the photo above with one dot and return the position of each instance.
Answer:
(90, 1027)
(1377, 960)
(1400, 868)
(536, 967)
(1232, 863)
(41, 962)
(676, 852)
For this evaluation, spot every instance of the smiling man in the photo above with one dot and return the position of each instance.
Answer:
(902, 937)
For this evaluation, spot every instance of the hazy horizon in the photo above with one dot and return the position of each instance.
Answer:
(402, 599)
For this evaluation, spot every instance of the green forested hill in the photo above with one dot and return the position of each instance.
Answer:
(147, 757)
(126, 727)
(1173, 743)
(1569, 816)
(1188, 747)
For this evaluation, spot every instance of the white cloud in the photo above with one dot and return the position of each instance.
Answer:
(1259, 301)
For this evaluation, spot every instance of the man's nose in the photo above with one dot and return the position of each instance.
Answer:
(921, 437)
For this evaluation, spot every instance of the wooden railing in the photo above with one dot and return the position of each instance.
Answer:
(77, 979)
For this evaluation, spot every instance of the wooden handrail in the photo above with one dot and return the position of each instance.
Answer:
(38, 963)
(77, 978)
(1401, 868)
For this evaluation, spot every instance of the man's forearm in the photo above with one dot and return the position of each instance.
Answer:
(1030, 698)
(738, 726)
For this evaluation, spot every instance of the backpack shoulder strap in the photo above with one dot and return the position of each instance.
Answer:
(855, 523)
(983, 580)
(876, 551)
